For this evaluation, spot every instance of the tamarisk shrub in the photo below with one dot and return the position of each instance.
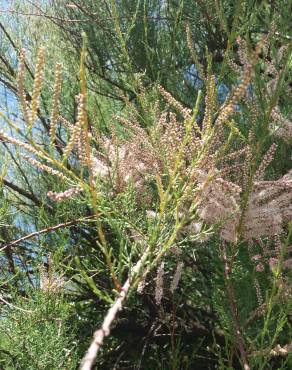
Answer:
(171, 189)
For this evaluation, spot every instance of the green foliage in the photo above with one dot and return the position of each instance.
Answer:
(37, 332)
(121, 55)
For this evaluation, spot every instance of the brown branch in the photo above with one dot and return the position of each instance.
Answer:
(8, 85)
(7, 65)
(14, 47)
(46, 230)
(259, 311)
(68, 20)
(15, 307)
(22, 192)
(11, 11)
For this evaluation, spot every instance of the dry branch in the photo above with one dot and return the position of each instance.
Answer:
(46, 230)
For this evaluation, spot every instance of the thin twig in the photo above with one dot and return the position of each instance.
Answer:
(12, 306)
(46, 230)
(259, 311)
(73, 20)
(22, 192)
(44, 15)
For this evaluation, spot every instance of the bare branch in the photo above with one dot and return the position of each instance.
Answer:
(22, 192)
(15, 307)
(46, 230)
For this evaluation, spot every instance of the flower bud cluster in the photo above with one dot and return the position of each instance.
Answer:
(43, 167)
(258, 289)
(176, 277)
(99, 167)
(70, 193)
(50, 281)
(76, 131)
(281, 125)
(268, 157)
(20, 85)
(37, 86)
(229, 106)
(186, 113)
(17, 142)
(56, 102)
(159, 284)
(210, 103)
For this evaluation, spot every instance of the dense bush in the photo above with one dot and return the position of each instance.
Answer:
(147, 172)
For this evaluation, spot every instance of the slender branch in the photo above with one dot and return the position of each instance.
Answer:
(12, 306)
(15, 48)
(17, 164)
(44, 15)
(22, 192)
(68, 20)
(46, 230)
